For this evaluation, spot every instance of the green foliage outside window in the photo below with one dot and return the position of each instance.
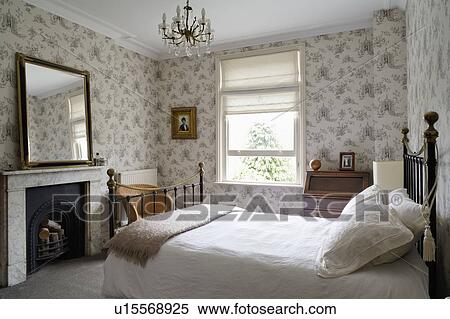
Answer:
(264, 168)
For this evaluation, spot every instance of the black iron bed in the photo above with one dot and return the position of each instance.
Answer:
(419, 169)
(419, 180)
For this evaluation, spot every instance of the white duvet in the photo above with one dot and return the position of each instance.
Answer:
(257, 259)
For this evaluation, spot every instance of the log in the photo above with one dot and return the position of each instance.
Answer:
(50, 224)
(44, 233)
(54, 237)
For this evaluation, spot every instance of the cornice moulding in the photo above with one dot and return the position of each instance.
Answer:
(129, 41)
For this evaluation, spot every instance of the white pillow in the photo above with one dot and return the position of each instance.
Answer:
(394, 254)
(356, 243)
(410, 213)
(400, 191)
(367, 195)
(369, 191)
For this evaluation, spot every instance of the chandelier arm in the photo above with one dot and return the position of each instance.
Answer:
(172, 38)
(201, 41)
(178, 38)
(166, 37)
(180, 35)
(193, 23)
(177, 43)
(165, 34)
(187, 14)
(198, 36)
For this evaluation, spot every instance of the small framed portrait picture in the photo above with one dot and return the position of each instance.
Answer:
(347, 161)
(184, 123)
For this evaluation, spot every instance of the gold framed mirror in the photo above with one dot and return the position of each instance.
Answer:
(54, 114)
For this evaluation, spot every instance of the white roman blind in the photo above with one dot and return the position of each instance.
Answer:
(261, 71)
(260, 116)
(77, 107)
(260, 102)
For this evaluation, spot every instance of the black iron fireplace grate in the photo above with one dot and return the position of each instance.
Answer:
(55, 224)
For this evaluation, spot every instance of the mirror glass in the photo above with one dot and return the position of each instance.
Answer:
(56, 109)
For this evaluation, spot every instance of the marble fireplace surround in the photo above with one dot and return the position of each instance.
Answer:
(13, 258)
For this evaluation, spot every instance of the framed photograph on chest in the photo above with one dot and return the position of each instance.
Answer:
(347, 161)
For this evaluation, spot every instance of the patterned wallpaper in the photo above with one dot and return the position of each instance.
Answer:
(49, 121)
(123, 89)
(428, 27)
(355, 86)
(346, 105)
(354, 101)
(389, 81)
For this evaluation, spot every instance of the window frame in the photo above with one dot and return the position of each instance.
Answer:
(299, 126)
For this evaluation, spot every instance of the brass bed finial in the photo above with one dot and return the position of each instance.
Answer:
(405, 132)
(431, 134)
(111, 182)
(201, 169)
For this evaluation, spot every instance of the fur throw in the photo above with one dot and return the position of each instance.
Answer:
(142, 239)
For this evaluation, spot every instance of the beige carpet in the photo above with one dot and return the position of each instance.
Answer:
(72, 279)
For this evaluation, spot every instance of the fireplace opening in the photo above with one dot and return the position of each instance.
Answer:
(55, 224)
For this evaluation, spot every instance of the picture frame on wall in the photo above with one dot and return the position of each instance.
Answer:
(347, 161)
(184, 122)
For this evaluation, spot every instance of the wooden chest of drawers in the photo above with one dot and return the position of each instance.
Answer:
(327, 192)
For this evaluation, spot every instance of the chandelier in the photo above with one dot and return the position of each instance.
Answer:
(185, 33)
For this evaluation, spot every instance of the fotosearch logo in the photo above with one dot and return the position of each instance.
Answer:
(98, 208)
(397, 199)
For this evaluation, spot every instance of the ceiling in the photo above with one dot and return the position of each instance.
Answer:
(43, 82)
(133, 23)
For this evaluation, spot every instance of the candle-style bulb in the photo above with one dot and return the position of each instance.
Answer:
(164, 17)
(178, 11)
(203, 13)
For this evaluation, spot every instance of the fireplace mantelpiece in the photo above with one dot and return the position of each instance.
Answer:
(13, 185)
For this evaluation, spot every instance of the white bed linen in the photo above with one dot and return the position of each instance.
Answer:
(257, 259)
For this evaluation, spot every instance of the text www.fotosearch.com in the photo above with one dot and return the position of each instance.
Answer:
(248, 309)
(188, 309)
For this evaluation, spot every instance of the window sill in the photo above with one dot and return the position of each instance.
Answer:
(258, 184)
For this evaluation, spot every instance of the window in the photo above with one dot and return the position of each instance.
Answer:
(260, 117)
(78, 127)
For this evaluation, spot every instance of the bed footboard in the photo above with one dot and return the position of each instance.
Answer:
(182, 194)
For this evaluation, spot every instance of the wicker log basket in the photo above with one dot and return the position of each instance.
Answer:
(133, 208)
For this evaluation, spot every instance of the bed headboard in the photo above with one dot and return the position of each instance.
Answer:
(419, 178)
